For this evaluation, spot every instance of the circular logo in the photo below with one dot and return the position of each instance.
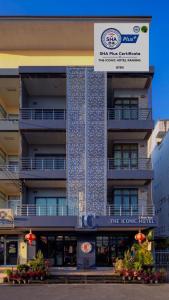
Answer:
(136, 29)
(144, 29)
(86, 247)
(111, 38)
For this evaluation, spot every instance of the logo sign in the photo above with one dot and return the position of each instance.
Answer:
(121, 47)
(88, 221)
(86, 247)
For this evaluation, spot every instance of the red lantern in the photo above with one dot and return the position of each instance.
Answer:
(140, 237)
(30, 237)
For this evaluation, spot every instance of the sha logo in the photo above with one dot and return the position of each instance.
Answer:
(111, 38)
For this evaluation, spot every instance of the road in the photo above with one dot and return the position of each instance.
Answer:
(85, 292)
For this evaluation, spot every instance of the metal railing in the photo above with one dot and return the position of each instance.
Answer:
(129, 164)
(130, 210)
(10, 168)
(43, 164)
(43, 210)
(9, 119)
(42, 114)
(129, 114)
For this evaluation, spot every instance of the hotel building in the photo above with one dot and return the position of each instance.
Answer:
(73, 145)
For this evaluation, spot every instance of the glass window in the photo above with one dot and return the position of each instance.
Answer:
(51, 206)
(125, 156)
(14, 203)
(125, 201)
(126, 109)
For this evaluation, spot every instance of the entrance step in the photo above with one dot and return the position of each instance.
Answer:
(85, 279)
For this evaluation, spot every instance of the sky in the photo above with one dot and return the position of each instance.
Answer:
(159, 31)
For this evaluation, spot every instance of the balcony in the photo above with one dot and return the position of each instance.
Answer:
(140, 169)
(34, 216)
(47, 168)
(31, 215)
(9, 124)
(42, 119)
(129, 119)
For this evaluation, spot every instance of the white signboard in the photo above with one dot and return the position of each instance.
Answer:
(120, 47)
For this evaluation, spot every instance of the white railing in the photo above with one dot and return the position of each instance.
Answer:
(42, 114)
(43, 210)
(140, 210)
(10, 168)
(129, 164)
(129, 114)
(9, 119)
(43, 164)
(54, 210)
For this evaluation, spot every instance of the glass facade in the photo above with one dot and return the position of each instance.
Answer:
(8, 251)
(126, 109)
(109, 247)
(125, 201)
(125, 156)
(51, 206)
(60, 250)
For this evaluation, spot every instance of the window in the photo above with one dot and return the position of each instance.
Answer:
(14, 203)
(126, 108)
(51, 206)
(125, 201)
(125, 156)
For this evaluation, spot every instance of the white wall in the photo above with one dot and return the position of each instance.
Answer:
(160, 160)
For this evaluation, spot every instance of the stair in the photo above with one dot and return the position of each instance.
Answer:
(85, 279)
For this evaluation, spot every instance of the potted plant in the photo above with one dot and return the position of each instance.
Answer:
(8, 273)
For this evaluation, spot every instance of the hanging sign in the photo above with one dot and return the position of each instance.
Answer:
(120, 47)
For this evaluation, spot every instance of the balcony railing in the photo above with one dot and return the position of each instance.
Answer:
(140, 210)
(10, 168)
(54, 210)
(29, 163)
(42, 210)
(129, 164)
(129, 114)
(10, 119)
(43, 164)
(42, 114)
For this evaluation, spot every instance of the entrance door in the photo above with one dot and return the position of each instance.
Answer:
(65, 255)
(11, 252)
(8, 252)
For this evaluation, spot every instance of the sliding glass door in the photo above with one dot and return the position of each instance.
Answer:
(125, 156)
(51, 206)
(125, 201)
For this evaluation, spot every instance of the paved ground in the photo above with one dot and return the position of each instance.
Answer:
(85, 292)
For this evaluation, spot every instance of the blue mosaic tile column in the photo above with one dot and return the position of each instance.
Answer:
(96, 141)
(75, 139)
(87, 140)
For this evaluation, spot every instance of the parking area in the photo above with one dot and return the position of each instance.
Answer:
(85, 292)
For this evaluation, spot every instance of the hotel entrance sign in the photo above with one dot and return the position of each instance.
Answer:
(121, 47)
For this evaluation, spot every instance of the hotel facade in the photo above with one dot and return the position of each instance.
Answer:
(73, 145)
